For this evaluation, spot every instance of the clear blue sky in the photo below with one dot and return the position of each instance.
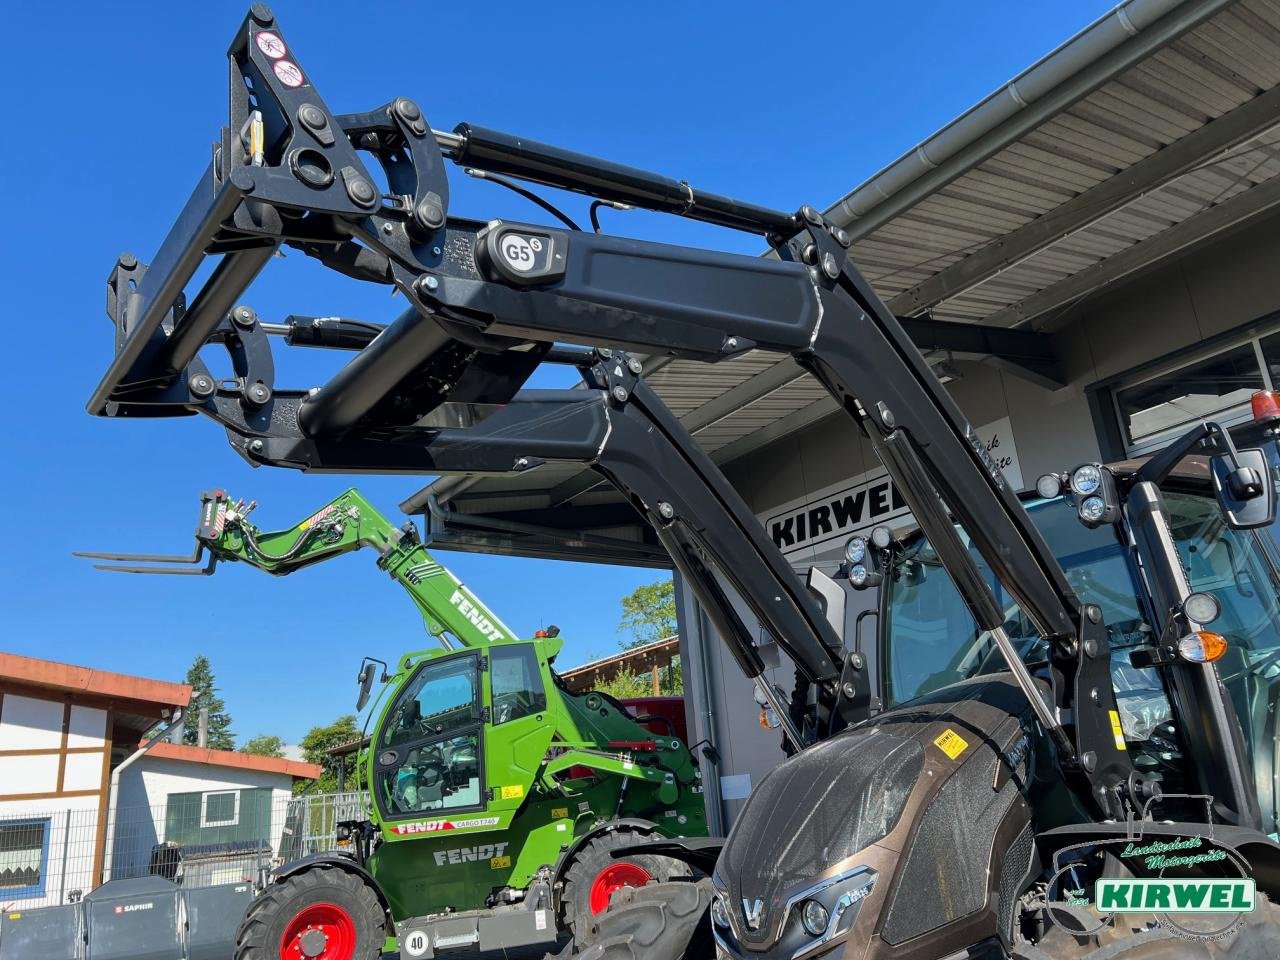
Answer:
(111, 113)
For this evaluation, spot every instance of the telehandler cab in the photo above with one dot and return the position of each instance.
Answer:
(495, 795)
(968, 821)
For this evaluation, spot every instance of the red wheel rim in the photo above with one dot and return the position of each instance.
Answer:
(612, 879)
(321, 931)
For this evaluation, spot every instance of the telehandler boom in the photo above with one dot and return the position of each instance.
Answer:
(494, 794)
(934, 829)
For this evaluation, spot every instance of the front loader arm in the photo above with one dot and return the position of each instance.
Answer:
(451, 613)
(489, 301)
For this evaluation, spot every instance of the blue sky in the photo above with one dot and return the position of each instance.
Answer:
(111, 114)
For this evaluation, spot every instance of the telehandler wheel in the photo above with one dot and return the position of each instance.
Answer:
(594, 877)
(320, 914)
(671, 921)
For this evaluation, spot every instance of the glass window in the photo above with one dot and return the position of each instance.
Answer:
(221, 809)
(1170, 403)
(443, 696)
(439, 775)
(430, 758)
(516, 682)
(933, 638)
(1271, 354)
(24, 847)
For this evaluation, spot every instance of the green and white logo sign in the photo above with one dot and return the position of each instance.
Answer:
(1117, 895)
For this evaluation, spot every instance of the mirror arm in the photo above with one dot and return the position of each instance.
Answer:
(1157, 469)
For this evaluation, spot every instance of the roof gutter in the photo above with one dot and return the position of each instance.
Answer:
(1130, 33)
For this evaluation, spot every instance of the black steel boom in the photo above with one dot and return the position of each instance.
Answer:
(489, 301)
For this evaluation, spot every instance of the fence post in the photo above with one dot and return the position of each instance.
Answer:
(66, 848)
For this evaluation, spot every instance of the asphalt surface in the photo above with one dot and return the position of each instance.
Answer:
(517, 953)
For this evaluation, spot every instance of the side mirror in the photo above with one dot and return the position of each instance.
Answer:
(366, 678)
(1245, 489)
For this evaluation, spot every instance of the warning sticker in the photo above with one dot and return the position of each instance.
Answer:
(288, 73)
(499, 863)
(951, 743)
(559, 813)
(1117, 731)
(513, 792)
(271, 45)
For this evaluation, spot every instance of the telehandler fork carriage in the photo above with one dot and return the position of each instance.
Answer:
(439, 391)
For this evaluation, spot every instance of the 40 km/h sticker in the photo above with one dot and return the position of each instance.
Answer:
(415, 944)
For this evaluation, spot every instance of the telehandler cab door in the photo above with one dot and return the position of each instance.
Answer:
(428, 755)
(520, 728)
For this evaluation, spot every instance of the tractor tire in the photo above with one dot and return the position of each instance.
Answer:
(593, 877)
(663, 921)
(324, 913)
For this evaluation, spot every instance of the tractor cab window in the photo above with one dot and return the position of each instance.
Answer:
(429, 754)
(933, 639)
(516, 683)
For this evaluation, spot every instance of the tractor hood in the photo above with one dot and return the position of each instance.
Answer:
(831, 822)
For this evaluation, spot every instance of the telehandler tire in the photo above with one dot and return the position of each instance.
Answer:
(323, 913)
(594, 877)
(663, 921)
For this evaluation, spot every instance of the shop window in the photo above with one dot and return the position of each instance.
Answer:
(24, 854)
(1216, 387)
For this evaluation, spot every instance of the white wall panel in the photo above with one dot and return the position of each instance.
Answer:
(88, 727)
(30, 724)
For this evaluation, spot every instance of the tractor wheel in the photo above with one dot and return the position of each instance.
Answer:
(320, 914)
(663, 921)
(594, 877)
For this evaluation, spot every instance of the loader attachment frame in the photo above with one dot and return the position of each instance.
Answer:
(439, 389)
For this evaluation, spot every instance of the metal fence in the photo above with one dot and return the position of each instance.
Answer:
(56, 855)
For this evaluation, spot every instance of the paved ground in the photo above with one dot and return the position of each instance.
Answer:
(520, 953)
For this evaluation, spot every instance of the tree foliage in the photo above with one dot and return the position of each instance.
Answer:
(264, 745)
(204, 695)
(320, 739)
(649, 613)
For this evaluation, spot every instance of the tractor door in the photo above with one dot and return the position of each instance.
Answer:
(429, 753)
(520, 726)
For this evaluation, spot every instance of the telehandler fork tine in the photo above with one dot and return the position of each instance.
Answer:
(180, 565)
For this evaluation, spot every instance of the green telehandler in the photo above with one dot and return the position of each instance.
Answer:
(494, 794)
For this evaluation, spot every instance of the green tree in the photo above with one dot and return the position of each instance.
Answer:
(264, 745)
(320, 739)
(204, 696)
(649, 613)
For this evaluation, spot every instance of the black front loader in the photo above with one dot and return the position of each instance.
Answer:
(489, 301)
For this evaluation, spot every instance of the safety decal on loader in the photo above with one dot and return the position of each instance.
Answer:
(951, 743)
(1117, 730)
(513, 792)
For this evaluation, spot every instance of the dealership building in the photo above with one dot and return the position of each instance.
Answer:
(1089, 259)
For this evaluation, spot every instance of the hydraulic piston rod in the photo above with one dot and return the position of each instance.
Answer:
(543, 163)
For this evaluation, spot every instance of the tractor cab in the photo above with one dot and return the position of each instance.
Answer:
(928, 639)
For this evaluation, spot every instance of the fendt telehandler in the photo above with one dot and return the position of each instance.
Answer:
(951, 825)
(494, 794)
